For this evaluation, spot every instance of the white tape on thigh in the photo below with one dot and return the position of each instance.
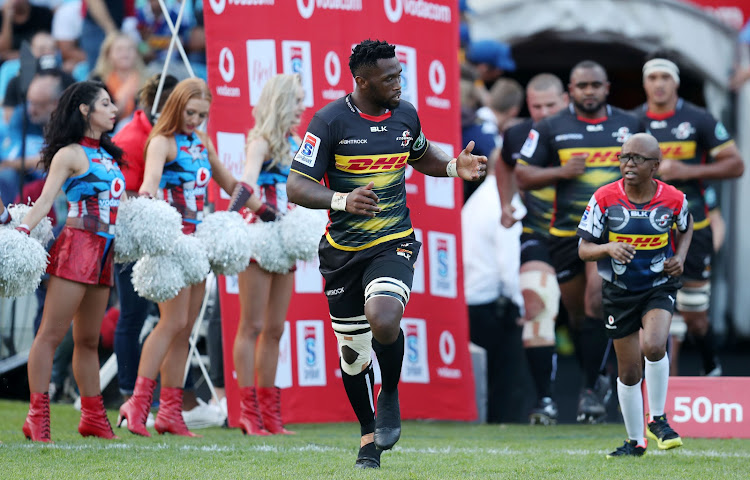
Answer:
(352, 333)
(388, 286)
(545, 285)
(694, 299)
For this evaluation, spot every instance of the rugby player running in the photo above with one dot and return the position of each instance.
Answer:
(576, 150)
(695, 148)
(360, 145)
(545, 96)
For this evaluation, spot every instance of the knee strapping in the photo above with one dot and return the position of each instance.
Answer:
(389, 287)
(694, 299)
(545, 285)
(355, 343)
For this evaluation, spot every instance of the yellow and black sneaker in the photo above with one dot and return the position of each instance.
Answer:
(629, 449)
(659, 430)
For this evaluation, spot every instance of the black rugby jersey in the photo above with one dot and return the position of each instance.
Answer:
(539, 203)
(348, 149)
(692, 135)
(554, 140)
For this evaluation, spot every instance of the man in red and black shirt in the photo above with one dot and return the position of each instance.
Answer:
(576, 150)
(695, 148)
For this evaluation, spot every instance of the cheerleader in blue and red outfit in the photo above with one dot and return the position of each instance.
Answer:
(180, 161)
(80, 159)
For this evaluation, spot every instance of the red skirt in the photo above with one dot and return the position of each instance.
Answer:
(83, 257)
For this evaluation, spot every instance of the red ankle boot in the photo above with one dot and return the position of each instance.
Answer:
(36, 426)
(269, 399)
(94, 421)
(135, 410)
(169, 419)
(251, 422)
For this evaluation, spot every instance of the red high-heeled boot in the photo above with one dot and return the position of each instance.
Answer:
(169, 419)
(36, 427)
(94, 421)
(251, 422)
(136, 409)
(269, 399)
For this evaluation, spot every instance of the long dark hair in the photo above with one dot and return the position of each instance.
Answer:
(68, 125)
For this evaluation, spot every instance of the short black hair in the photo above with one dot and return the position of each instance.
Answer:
(588, 65)
(367, 54)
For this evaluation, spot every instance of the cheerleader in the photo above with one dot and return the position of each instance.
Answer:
(80, 159)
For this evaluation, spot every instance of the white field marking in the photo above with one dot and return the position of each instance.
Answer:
(323, 448)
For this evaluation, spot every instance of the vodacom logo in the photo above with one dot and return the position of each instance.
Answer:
(226, 64)
(306, 9)
(437, 77)
(332, 66)
(217, 6)
(393, 13)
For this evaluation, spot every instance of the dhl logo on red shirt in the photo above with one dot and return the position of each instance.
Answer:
(641, 242)
(677, 150)
(597, 157)
(371, 163)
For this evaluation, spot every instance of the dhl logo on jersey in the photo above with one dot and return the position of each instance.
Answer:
(677, 150)
(371, 163)
(641, 242)
(597, 157)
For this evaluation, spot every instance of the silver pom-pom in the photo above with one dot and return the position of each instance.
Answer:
(190, 253)
(267, 248)
(158, 278)
(23, 261)
(301, 230)
(41, 233)
(227, 237)
(145, 226)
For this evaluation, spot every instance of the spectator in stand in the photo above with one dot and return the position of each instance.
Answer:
(502, 109)
(492, 59)
(121, 69)
(19, 21)
(156, 34)
(101, 18)
(471, 128)
(44, 92)
(67, 25)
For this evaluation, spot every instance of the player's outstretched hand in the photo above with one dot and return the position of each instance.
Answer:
(673, 266)
(622, 252)
(471, 167)
(363, 201)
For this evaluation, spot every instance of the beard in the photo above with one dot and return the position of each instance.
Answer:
(590, 108)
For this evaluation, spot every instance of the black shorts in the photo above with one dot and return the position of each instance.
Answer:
(535, 247)
(699, 256)
(564, 254)
(624, 310)
(347, 274)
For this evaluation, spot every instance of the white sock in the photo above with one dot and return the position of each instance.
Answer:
(631, 404)
(657, 379)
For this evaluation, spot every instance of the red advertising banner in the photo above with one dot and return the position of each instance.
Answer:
(248, 41)
(734, 13)
(708, 407)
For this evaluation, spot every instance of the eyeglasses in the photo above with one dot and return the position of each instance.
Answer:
(637, 159)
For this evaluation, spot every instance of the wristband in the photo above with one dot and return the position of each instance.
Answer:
(266, 213)
(338, 202)
(242, 192)
(451, 169)
(5, 217)
(24, 228)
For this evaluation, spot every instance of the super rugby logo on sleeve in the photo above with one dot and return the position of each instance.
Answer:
(309, 150)
(529, 146)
